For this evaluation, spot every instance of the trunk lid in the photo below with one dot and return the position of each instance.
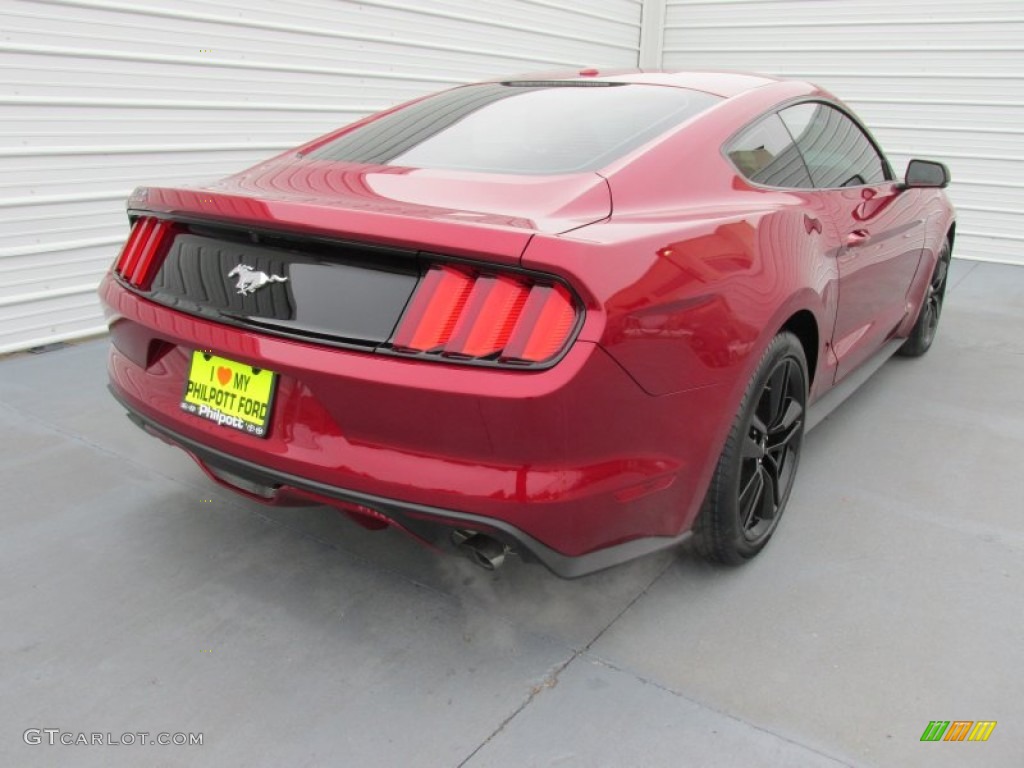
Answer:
(458, 213)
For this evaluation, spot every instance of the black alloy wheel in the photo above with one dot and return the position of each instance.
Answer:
(770, 451)
(923, 333)
(757, 467)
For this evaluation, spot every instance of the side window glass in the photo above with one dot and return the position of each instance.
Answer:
(765, 154)
(836, 151)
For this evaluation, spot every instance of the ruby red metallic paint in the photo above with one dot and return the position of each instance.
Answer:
(685, 270)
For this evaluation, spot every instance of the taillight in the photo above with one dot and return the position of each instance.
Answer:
(433, 311)
(546, 321)
(459, 314)
(145, 249)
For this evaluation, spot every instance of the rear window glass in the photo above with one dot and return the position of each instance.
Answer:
(520, 128)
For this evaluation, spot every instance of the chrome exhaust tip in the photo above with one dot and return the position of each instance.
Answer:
(483, 550)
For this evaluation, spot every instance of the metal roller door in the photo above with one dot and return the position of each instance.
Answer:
(932, 78)
(98, 96)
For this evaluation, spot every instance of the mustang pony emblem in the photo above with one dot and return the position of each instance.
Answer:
(249, 280)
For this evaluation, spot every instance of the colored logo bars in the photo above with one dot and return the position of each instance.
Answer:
(958, 730)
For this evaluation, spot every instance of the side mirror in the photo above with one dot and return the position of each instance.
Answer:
(925, 174)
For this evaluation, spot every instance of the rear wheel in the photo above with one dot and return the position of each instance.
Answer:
(755, 472)
(923, 333)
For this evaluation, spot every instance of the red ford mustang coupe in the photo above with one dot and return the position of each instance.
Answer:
(576, 317)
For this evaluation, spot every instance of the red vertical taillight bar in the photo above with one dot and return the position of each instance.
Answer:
(544, 325)
(144, 251)
(130, 253)
(488, 317)
(435, 307)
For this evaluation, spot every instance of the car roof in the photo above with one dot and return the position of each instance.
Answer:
(719, 83)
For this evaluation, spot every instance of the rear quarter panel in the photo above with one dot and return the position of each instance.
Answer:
(686, 309)
(939, 217)
(694, 273)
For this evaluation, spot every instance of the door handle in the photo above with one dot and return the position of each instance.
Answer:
(857, 237)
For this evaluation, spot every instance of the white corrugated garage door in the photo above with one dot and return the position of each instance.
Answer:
(931, 78)
(97, 97)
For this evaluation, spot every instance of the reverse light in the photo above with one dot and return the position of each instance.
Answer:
(457, 314)
(144, 251)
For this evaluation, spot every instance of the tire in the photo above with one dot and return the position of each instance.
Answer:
(923, 333)
(755, 473)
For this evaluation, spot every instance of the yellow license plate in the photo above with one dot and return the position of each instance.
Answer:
(228, 393)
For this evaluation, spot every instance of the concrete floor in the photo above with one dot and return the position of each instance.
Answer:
(136, 596)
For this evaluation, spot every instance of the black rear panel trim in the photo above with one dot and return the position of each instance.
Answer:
(272, 310)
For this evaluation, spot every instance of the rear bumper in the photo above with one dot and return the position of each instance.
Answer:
(429, 524)
(575, 464)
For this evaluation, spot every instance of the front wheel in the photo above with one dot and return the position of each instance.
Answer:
(755, 472)
(923, 333)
